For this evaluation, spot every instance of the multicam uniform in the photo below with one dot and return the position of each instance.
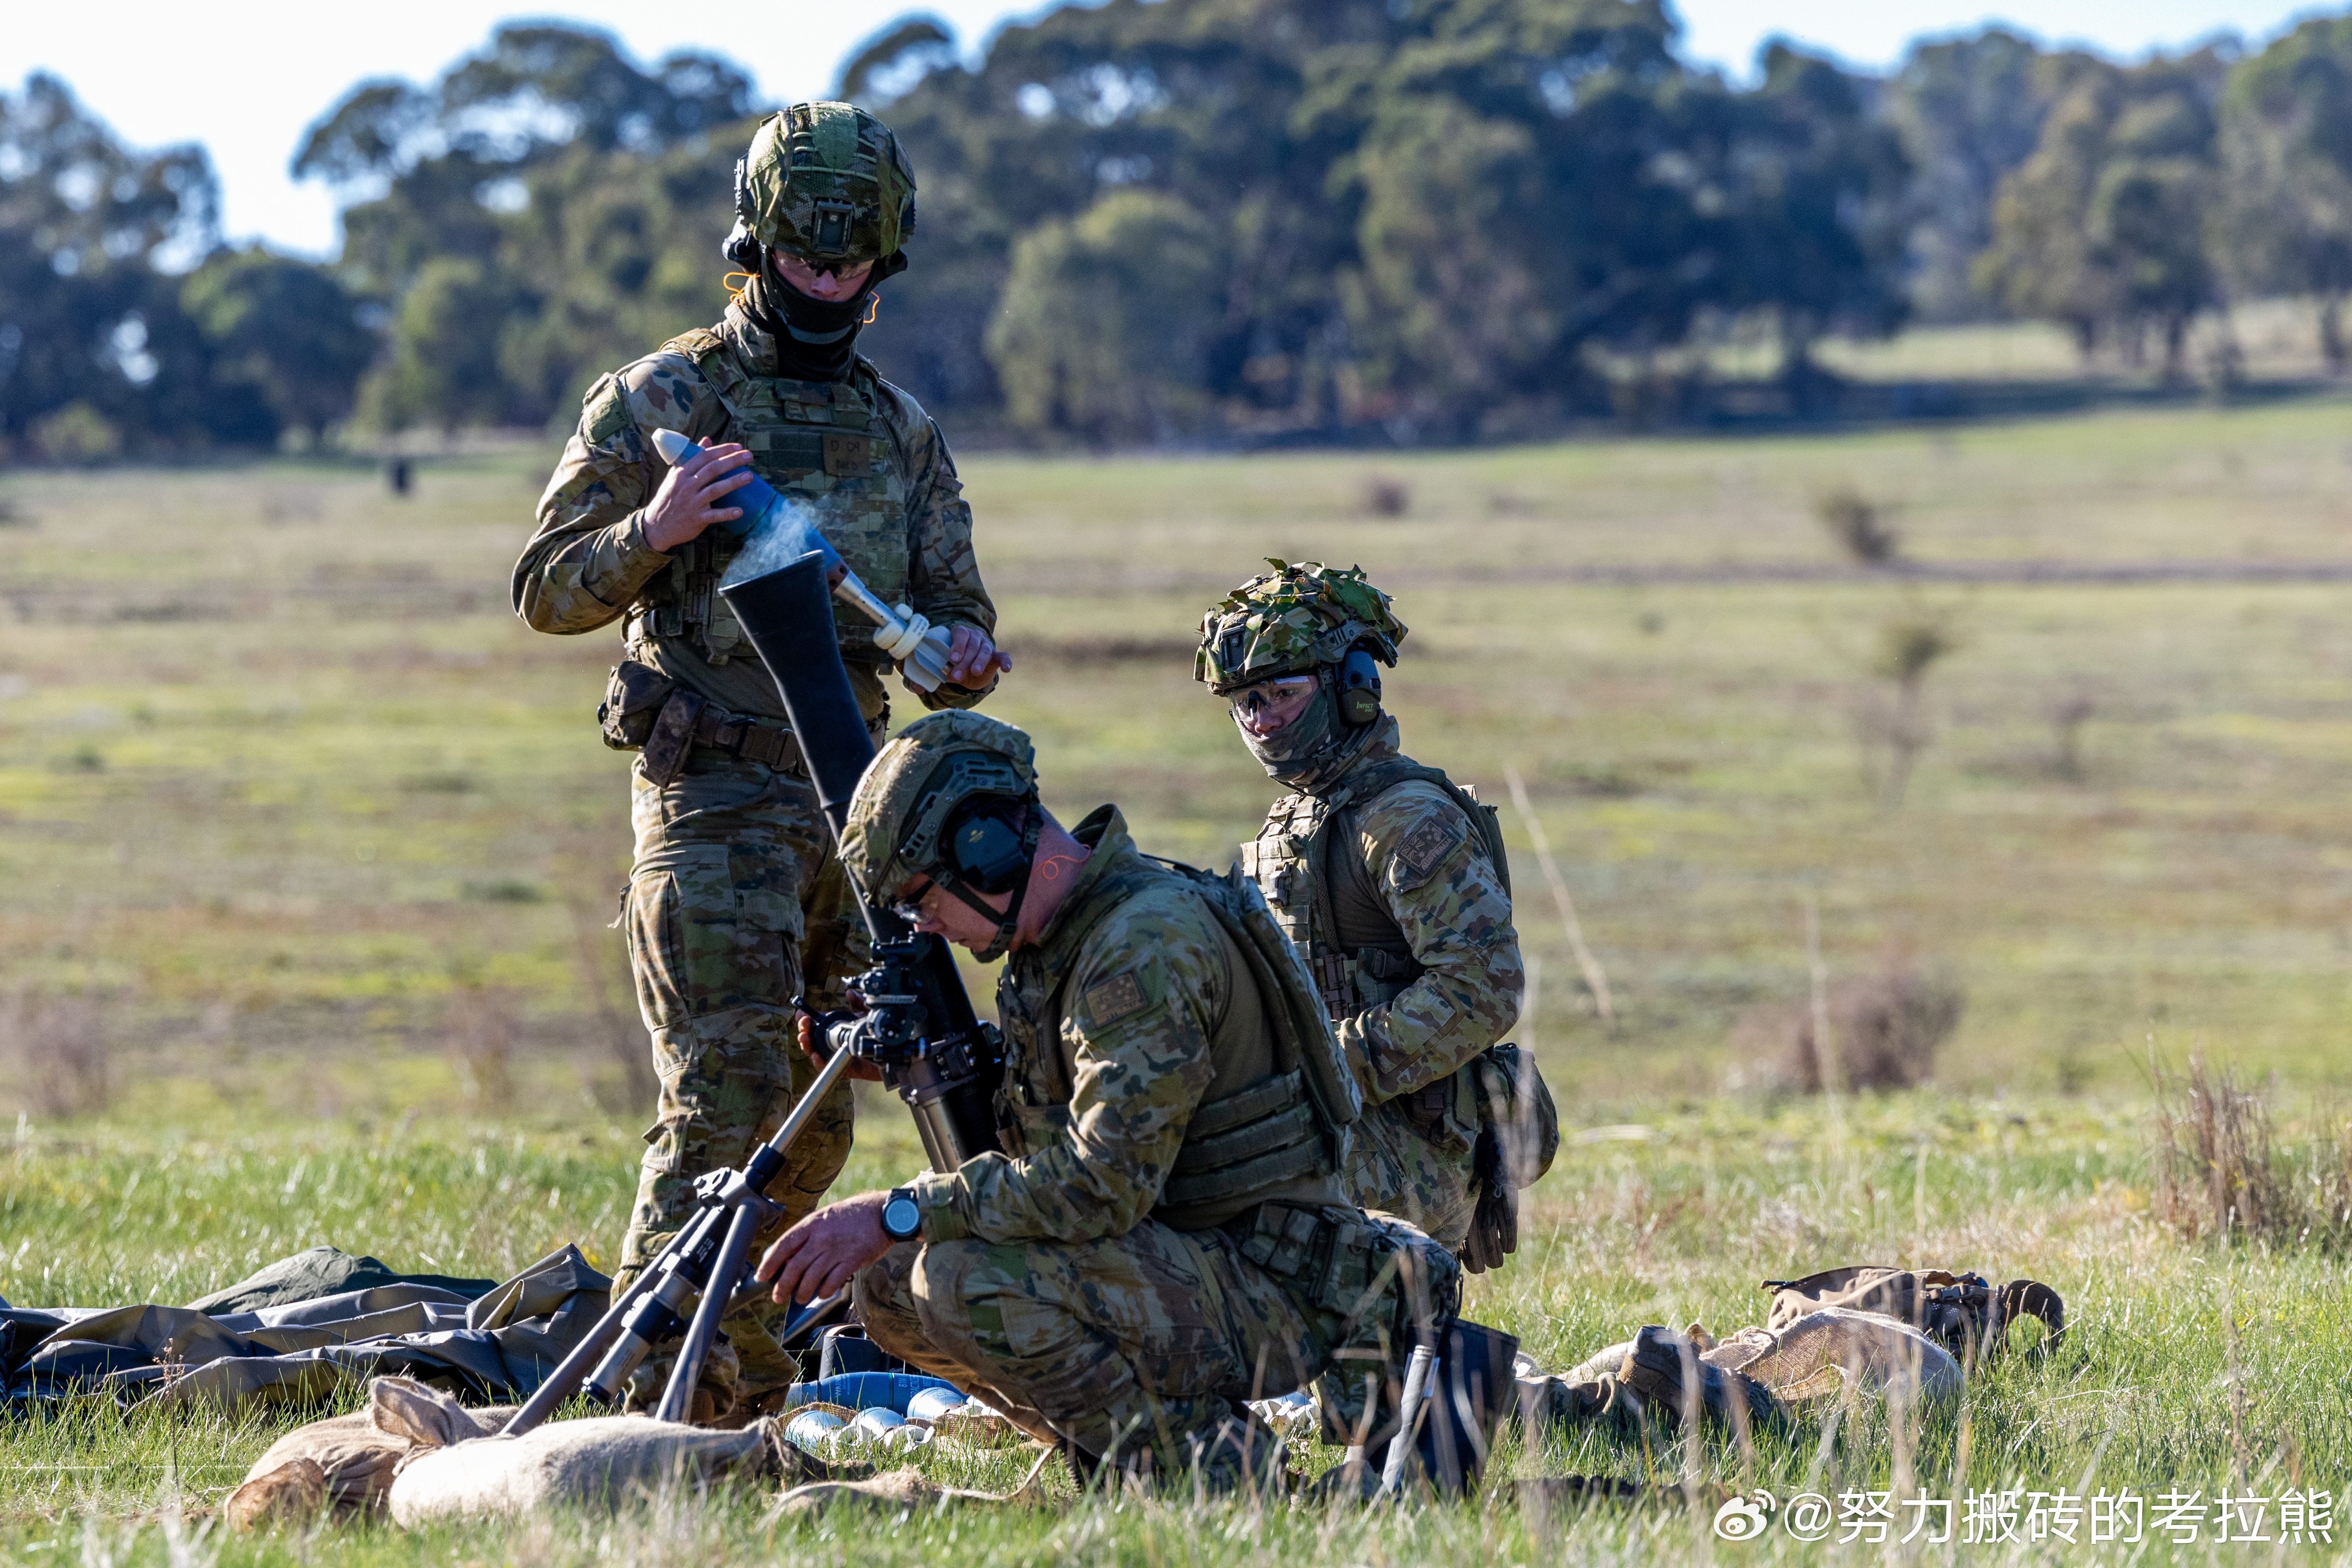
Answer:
(736, 897)
(1164, 1234)
(1383, 882)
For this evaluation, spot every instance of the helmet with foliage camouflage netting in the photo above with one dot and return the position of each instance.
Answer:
(898, 814)
(1294, 619)
(825, 181)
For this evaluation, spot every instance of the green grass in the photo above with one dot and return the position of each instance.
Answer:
(310, 847)
(1674, 1228)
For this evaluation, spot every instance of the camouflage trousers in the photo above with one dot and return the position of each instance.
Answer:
(735, 895)
(1146, 1340)
(1394, 1167)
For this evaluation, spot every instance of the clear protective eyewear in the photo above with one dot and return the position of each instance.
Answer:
(1281, 691)
(908, 905)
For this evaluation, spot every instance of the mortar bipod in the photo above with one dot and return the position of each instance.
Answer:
(699, 1271)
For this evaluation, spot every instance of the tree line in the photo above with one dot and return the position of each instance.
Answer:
(1447, 219)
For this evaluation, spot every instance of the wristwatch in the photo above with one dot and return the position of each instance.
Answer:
(901, 1220)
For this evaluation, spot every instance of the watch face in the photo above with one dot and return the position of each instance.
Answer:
(901, 1219)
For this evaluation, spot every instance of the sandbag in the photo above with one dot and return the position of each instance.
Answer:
(1817, 1356)
(291, 1490)
(345, 1465)
(601, 1461)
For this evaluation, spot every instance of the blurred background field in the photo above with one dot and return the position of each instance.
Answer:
(297, 819)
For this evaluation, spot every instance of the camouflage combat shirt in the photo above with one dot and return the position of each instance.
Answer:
(1428, 895)
(1131, 1010)
(589, 563)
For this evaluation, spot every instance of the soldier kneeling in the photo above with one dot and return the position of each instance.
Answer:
(1163, 1236)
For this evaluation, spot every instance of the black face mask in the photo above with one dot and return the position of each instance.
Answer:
(816, 340)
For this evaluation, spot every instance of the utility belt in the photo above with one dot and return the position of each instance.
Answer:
(645, 711)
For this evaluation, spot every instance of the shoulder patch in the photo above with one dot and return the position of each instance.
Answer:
(605, 412)
(1428, 844)
(1114, 999)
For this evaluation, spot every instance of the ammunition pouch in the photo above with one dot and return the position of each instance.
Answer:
(646, 710)
(1347, 1264)
(633, 697)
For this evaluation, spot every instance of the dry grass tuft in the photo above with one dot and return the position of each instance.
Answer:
(1384, 495)
(53, 1050)
(1884, 1031)
(1859, 526)
(2221, 1173)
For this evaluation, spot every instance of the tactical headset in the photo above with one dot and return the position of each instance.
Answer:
(986, 846)
(1357, 698)
(740, 247)
(984, 851)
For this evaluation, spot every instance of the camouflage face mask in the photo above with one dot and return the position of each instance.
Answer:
(1296, 750)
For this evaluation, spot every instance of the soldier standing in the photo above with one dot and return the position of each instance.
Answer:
(1164, 1232)
(736, 902)
(1392, 883)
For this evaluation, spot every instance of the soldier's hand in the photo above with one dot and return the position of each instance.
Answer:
(693, 496)
(818, 1256)
(973, 659)
(815, 1047)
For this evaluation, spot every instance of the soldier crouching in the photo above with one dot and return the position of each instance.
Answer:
(1164, 1236)
(1392, 883)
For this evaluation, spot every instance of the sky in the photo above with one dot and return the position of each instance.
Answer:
(249, 79)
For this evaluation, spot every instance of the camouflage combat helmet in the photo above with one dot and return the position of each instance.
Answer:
(1291, 620)
(908, 816)
(826, 180)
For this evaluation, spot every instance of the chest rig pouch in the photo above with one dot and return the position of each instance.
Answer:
(822, 444)
(1329, 904)
(1329, 901)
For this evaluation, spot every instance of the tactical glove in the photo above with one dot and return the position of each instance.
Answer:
(1495, 1223)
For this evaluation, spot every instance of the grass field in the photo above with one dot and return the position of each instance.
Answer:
(2184, 1372)
(283, 782)
(307, 849)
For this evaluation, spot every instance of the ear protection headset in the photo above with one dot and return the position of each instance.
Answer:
(1358, 695)
(987, 852)
(985, 849)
